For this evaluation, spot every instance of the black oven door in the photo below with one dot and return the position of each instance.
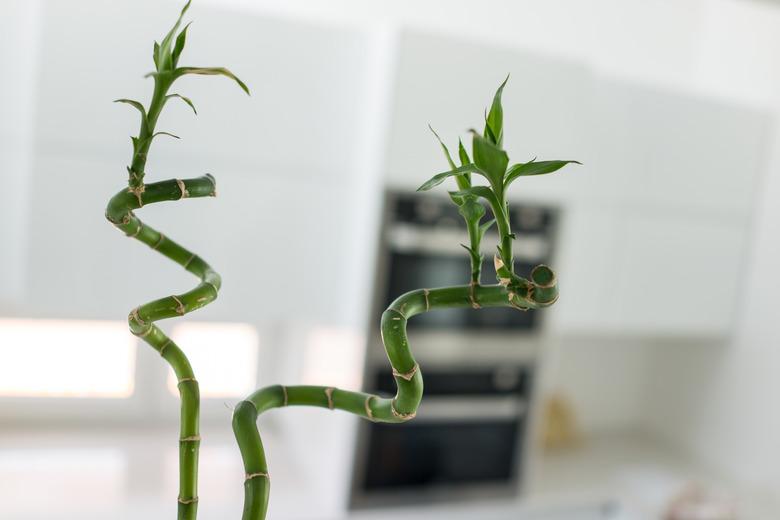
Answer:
(412, 270)
(467, 440)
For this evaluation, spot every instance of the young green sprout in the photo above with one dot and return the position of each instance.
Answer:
(491, 162)
(120, 213)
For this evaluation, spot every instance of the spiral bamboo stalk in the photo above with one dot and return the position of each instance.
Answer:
(120, 213)
(540, 290)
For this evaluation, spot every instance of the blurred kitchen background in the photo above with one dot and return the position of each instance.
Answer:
(649, 391)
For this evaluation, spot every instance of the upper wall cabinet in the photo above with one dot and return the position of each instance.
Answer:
(307, 84)
(653, 224)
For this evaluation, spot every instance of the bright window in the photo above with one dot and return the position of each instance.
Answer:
(59, 358)
(224, 357)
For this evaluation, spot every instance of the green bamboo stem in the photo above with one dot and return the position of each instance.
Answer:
(142, 319)
(120, 212)
(407, 374)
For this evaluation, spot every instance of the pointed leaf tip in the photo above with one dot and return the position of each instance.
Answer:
(443, 147)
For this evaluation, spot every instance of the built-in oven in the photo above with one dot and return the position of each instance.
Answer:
(466, 440)
(470, 435)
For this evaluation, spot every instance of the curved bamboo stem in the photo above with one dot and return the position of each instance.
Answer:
(407, 374)
(142, 319)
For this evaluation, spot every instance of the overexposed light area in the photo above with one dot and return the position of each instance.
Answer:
(66, 358)
(223, 355)
(334, 357)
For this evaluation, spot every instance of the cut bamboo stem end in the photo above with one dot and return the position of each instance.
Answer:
(407, 375)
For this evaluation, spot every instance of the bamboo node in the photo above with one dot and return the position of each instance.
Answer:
(137, 231)
(189, 261)
(426, 293)
(401, 314)
(144, 333)
(284, 393)
(180, 309)
(190, 500)
(138, 191)
(407, 375)
(367, 406)
(402, 416)
(250, 476)
(472, 299)
(164, 345)
(329, 395)
(159, 242)
(186, 380)
(183, 188)
(193, 438)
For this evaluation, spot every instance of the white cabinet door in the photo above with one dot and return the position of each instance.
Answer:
(678, 275)
(673, 149)
(585, 264)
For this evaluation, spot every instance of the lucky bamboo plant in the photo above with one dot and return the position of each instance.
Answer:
(120, 213)
(488, 160)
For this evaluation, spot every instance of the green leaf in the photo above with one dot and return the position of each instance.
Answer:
(464, 156)
(443, 147)
(185, 99)
(210, 71)
(165, 133)
(441, 177)
(480, 191)
(135, 104)
(487, 133)
(164, 51)
(457, 199)
(495, 118)
(475, 255)
(490, 159)
(471, 210)
(485, 226)
(534, 168)
(180, 41)
(155, 54)
(132, 103)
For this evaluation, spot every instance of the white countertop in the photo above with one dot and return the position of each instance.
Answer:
(132, 474)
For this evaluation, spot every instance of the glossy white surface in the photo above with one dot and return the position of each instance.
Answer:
(132, 474)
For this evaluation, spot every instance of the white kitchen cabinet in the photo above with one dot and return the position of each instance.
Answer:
(653, 225)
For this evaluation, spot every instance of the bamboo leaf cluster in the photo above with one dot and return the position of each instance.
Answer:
(491, 162)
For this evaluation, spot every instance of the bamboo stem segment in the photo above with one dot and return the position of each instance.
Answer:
(397, 409)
